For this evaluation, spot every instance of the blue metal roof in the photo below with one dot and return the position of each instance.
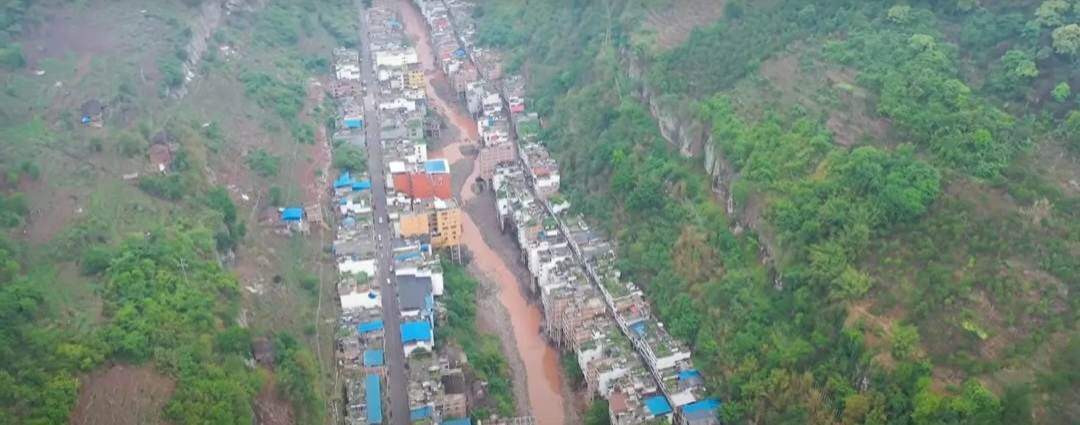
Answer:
(459, 421)
(372, 326)
(436, 166)
(343, 180)
(415, 331)
(638, 327)
(706, 405)
(292, 214)
(689, 374)
(373, 358)
(420, 413)
(361, 185)
(354, 123)
(657, 405)
(373, 398)
(406, 256)
(429, 303)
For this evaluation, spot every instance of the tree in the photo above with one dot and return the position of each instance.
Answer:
(571, 368)
(966, 5)
(11, 57)
(598, 413)
(350, 158)
(1066, 39)
(1061, 92)
(171, 187)
(233, 340)
(12, 209)
(1016, 405)
(130, 144)
(1049, 14)
(296, 376)
(263, 163)
(1019, 67)
(899, 14)
(905, 341)
(218, 199)
(1071, 130)
(95, 260)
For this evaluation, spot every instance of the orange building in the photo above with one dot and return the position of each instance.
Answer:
(415, 224)
(446, 217)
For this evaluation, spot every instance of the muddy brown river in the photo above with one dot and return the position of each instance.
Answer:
(542, 370)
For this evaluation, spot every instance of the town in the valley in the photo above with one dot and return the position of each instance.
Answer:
(401, 220)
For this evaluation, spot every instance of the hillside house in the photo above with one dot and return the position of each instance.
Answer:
(92, 113)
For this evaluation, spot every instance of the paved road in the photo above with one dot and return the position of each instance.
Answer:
(397, 380)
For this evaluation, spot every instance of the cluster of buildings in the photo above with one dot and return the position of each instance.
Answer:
(360, 341)
(424, 218)
(627, 356)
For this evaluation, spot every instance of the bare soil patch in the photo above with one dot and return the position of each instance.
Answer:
(51, 208)
(878, 335)
(1060, 166)
(270, 408)
(122, 395)
(854, 120)
(672, 22)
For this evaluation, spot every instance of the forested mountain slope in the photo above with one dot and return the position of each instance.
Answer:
(903, 238)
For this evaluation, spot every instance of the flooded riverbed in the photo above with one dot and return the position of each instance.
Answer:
(542, 370)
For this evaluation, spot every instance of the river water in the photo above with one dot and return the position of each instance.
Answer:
(542, 370)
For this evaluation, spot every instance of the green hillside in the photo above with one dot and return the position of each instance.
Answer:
(131, 202)
(909, 170)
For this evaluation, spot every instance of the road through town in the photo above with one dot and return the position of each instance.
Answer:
(397, 381)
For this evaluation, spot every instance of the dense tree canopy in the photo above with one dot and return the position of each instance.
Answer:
(776, 340)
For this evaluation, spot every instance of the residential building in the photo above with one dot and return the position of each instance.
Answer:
(447, 229)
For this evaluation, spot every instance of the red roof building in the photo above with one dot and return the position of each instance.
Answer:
(422, 185)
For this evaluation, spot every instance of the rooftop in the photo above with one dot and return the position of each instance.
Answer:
(373, 357)
(372, 326)
(373, 397)
(415, 332)
(657, 405)
(438, 165)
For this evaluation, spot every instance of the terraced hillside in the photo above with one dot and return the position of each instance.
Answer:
(856, 212)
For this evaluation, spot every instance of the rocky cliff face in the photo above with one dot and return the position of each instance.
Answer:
(684, 129)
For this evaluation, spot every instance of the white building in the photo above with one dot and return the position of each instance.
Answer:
(398, 104)
(348, 72)
(398, 58)
(351, 266)
(361, 300)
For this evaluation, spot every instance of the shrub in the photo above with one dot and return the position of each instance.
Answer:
(350, 158)
(171, 187)
(11, 57)
(263, 163)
